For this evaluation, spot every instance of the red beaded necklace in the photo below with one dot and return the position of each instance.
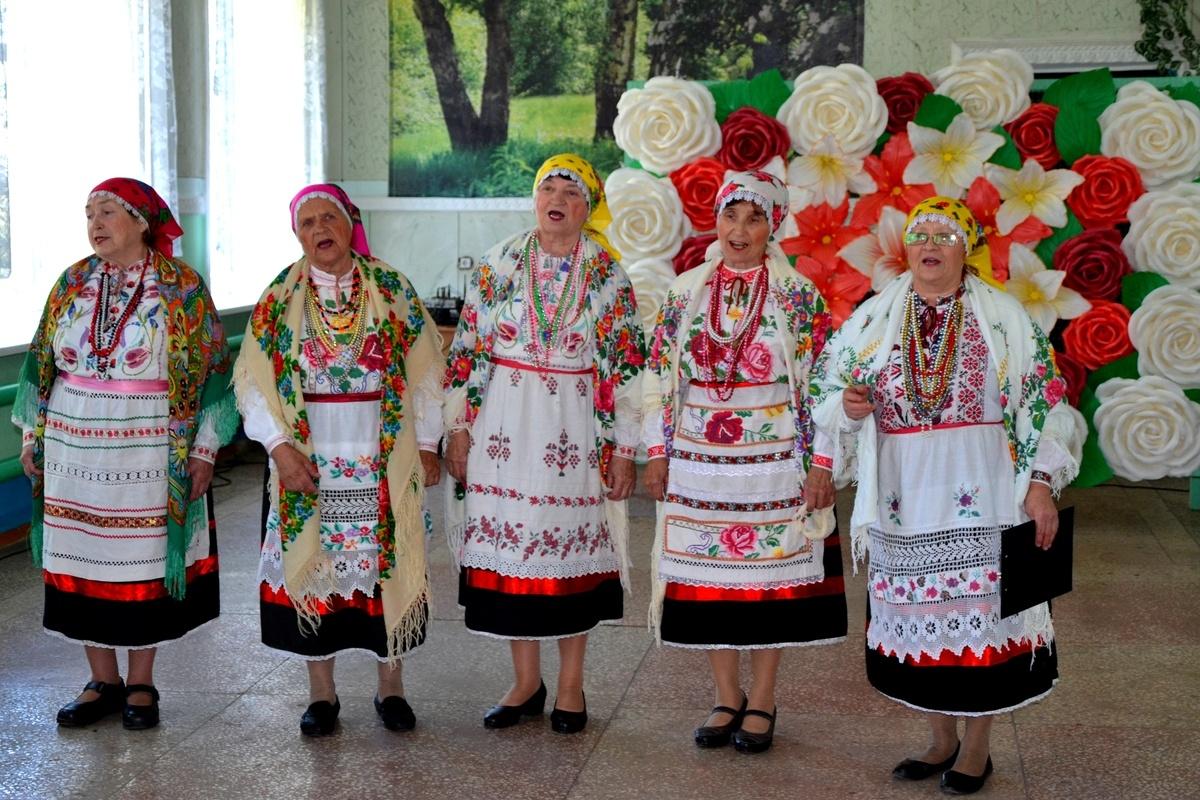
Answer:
(725, 349)
(104, 335)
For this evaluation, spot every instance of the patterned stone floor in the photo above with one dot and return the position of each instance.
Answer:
(1123, 723)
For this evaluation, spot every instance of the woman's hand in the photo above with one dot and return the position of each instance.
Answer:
(655, 478)
(31, 469)
(1039, 505)
(201, 473)
(622, 475)
(432, 467)
(458, 446)
(856, 401)
(818, 488)
(297, 473)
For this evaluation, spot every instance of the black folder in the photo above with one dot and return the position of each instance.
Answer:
(1030, 575)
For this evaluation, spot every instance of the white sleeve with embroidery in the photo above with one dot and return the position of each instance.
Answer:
(258, 422)
(427, 404)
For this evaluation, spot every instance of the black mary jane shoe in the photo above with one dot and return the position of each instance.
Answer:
(507, 716)
(80, 713)
(396, 713)
(568, 721)
(910, 769)
(140, 718)
(962, 783)
(719, 735)
(320, 718)
(748, 742)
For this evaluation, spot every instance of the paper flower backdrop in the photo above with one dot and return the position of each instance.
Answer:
(1087, 195)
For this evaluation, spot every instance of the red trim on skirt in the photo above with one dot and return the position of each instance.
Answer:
(495, 582)
(348, 397)
(356, 602)
(833, 584)
(125, 591)
(990, 657)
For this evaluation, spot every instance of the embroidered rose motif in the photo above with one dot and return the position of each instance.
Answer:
(707, 352)
(70, 356)
(738, 540)
(1054, 391)
(136, 357)
(372, 357)
(723, 428)
(965, 498)
(507, 332)
(461, 368)
(605, 402)
(571, 342)
(757, 363)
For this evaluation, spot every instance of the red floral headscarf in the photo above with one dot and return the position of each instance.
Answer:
(140, 200)
(759, 187)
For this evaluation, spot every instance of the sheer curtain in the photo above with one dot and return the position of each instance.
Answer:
(88, 94)
(266, 136)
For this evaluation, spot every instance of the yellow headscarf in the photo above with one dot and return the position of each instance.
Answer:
(947, 209)
(576, 168)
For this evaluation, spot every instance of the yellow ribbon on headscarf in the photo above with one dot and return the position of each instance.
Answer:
(577, 167)
(979, 255)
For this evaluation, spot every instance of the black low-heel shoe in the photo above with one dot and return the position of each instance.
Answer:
(396, 713)
(568, 721)
(748, 742)
(79, 713)
(507, 716)
(320, 718)
(961, 783)
(910, 769)
(719, 735)
(140, 718)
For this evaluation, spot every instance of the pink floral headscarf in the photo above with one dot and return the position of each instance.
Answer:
(336, 195)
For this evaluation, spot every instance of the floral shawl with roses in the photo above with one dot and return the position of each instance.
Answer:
(801, 319)
(1031, 391)
(197, 361)
(616, 373)
(270, 361)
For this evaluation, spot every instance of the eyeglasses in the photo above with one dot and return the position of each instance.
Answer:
(940, 239)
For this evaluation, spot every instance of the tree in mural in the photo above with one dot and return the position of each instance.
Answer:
(614, 63)
(468, 129)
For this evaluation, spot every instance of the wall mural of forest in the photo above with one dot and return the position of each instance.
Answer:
(482, 91)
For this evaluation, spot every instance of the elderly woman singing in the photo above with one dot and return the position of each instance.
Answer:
(948, 409)
(544, 411)
(339, 379)
(730, 439)
(123, 401)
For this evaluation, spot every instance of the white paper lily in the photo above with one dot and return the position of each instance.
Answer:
(1040, 290)
(828, 172)
(881, 255)
(1032, 191)
(951, 161)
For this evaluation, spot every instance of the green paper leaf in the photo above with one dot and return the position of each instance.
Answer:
(1076, 133)
(1192, 394)
(1093, 466)
(768, 91)
(1186, 91)
(937, 111)
(1136, 285)
(632, 163)
(1125, 367)
(729, 97)
(881, 142)
(1045, 249)
(1093, 90)
(1007, 155)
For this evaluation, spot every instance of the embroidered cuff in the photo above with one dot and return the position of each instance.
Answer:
(204, 454)
(625, 451)
(1041, 477)
(27, 438)
(275, 441)
(823, 461)
(428, 447)
(657, 451)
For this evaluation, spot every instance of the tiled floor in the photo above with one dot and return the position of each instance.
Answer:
(1123, 723)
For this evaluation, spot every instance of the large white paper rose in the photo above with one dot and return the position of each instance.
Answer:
(648, 219)
(841, 102)
(1147, 428)
(1166, 332)
(1164, 234)
(651, 277)
(1158, 135)
(667, 123)
(992, 87)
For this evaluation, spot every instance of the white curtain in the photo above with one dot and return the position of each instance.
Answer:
(88, 85)
(266, 136)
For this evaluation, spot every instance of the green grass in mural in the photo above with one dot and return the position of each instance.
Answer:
(422, 164)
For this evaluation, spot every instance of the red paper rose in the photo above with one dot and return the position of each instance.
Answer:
(1094, 263)
(691, 252)
(1033, 134)
(697, 183)
(903, 95)
(1099, 336)
(749, 139)
(1110, 185)
(1073, 373)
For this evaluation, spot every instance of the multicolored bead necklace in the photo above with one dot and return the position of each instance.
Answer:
(105, 331)
(547, 331)
(725, 349)
(347, 319)
(927, 384)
